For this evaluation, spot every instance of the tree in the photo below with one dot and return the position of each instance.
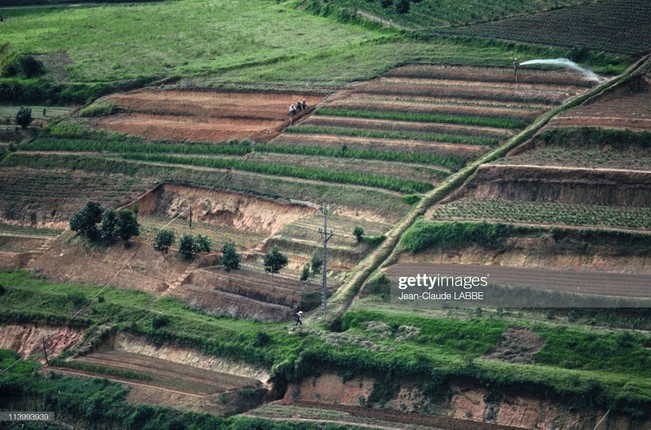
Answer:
(85, 221)
(187, 247)
(24, 117)
(317, 264)
(202, 243)
(109, 225)
(306, 274)
(230, 258)
(163, 241)
(275, 261)
(127, 225)
(358, 232)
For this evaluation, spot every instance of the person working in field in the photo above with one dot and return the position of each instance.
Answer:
(304, 104)
(299, 106)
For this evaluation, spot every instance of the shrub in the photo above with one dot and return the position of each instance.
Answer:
(163, 241)
(202, 243)
(261, 339)
(230, 258)
(2, 290)
(317, 263)
(78, 299)
(358, 232)
(127, 225)
(187, 247)
(160, 321)
(449, 235)
(306, 274)
(85, 221)
(109, 225)
(23, 66)
(24, 117)
(275, 261)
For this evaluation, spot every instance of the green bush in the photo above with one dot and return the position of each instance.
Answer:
(24, 117)
(187, 247)
(449, 235)
(163, 241)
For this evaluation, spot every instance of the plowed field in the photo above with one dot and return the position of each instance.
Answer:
(201, 116)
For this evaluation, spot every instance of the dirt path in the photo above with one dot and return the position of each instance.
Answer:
(571, 168)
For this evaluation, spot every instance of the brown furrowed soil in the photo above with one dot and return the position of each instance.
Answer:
(580, 282)
(628, 107)
(168, 374)
(491, 74)
(201, 116)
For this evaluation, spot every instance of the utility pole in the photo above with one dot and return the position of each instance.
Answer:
(326, 235)
(190, 217)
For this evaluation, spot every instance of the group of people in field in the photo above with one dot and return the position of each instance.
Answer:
(295, 108)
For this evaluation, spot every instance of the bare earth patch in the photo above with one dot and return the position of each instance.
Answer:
(201, 116)
(518, 346)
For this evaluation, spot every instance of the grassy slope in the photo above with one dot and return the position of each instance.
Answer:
(210, 44)
(574, 361)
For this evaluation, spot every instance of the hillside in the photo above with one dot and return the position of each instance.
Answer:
(163, 215)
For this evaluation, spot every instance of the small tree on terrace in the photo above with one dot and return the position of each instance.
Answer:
(230, 258)
(202, 243)
(24, 117)
(317, 264)
(109, 225)
(85, 221)
(275, 261)
(358, 232)
(163, 241)
(187, 247)
(127, 226)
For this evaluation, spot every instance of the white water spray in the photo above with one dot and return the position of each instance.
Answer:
(564, 62)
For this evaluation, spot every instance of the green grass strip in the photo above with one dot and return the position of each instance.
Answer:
(242, 148)
(509, 123)
(347, 177)
(49, 144)
(380, 134)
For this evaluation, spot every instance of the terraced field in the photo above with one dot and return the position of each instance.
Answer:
(623, 27)
(588, 167)
(201, 116)
(550, 213)
(628, 107)
(450, 112)
(45, 196)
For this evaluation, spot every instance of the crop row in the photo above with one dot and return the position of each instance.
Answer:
(426, 117)
(365, 179)
(381, 134)
(627, 21)
(241, 148)
(148, 174)
(545, 213)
